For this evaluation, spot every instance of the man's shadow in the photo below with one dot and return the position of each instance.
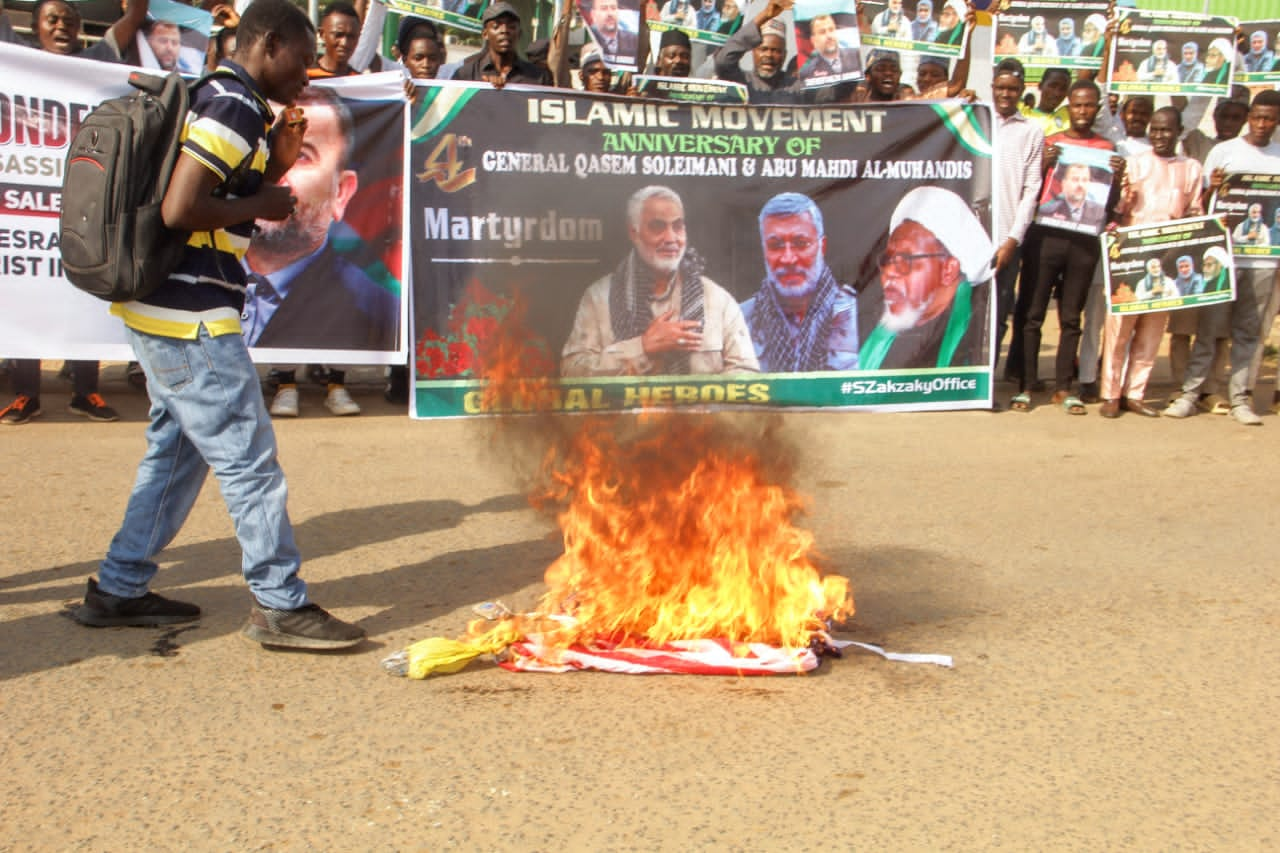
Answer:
(895, 589)
(406, 595)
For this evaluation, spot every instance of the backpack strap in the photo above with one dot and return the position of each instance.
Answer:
(243, 166)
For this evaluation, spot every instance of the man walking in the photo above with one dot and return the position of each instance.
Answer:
(207, 409)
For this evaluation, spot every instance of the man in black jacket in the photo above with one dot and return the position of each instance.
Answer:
(498, 61)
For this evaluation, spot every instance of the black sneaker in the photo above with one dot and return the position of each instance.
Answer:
(309, 627)
(92, 407)
(104, 610)
(20, 410)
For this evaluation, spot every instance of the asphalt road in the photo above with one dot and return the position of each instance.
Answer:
(1106, 589)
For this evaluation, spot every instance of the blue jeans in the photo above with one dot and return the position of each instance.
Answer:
(206, 412)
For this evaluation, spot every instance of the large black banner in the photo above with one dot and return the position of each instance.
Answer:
(571, 202)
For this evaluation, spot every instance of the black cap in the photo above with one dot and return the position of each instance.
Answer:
(671, 37)
(497, 10)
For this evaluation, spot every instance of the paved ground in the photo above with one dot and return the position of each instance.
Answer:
(1106, 588)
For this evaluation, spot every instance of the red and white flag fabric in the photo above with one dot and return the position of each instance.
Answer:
(688, 657)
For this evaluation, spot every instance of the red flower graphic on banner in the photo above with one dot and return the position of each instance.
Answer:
(475, 331)
(480, 328)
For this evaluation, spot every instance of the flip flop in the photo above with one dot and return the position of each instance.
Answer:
(1020, 403)
(1216, 405)
(1073, 406)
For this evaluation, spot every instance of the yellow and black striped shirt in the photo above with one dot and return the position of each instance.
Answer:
(228, 125)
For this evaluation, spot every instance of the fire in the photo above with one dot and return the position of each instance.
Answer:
(676, 526)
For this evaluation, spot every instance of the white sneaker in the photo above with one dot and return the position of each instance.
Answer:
(1245, 415)
(1183, 407)
(339, 402)
(285, 403)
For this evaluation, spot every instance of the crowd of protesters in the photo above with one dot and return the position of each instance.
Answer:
(1165, 168)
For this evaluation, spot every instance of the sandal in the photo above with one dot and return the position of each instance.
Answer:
(1216, 405)
(1073, 406)
(1020, 403)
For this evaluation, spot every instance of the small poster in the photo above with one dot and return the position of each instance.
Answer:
(1172, 53)
(1052, 33)
(827, 43)
(1260, 63)
(614, 26)
(708, 21)
(690, 90)
(935, 27)
(1165, 267)
(460, 14)
(175, 37)
(1075, 193)
(1252, 207)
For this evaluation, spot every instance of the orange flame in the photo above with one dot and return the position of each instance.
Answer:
(676, 526)
(678, 532)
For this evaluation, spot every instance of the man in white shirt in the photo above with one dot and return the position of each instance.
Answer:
(1254, 308)
(1021, 152)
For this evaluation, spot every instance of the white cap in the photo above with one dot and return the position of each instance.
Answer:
(1220, 255)
(954, 225)
(1225, 48)
(590, 53)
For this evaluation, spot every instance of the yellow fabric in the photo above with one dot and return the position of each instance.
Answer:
(172, 328)
(440, 654)
(218, 139)
(223, 241)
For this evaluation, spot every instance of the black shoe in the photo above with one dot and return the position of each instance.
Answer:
(309, 627)
(104, 610)
(20, 411)
(1089, 392)
(92, 407)
(1139, 408)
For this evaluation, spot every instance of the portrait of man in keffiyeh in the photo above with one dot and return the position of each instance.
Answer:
(656, 313)
(802, 319)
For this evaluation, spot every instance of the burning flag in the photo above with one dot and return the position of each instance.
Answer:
(682, 551)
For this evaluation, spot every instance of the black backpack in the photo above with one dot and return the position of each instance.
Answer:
(114, 243)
